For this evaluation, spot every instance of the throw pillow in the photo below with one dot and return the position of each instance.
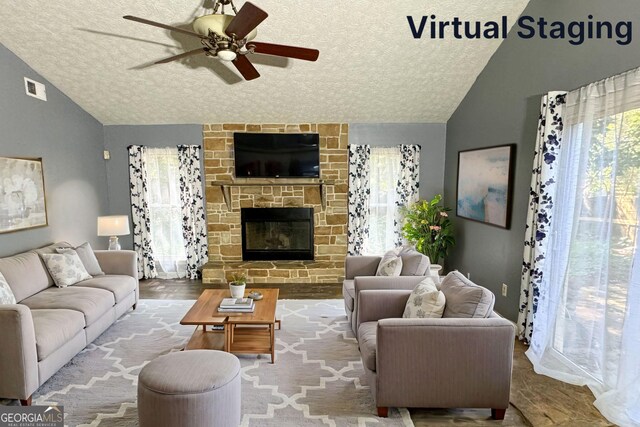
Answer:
(66, 269)
(425, 301)
(88, 258)
(413, 262)
(390, 264)
(391, 267)
(6, 294)
(465, 298)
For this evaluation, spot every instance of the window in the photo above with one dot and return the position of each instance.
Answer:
(384, 175)
(165, 210)
(602, 247)
(585, 329)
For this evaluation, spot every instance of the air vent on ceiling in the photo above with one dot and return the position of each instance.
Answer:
(35, 89)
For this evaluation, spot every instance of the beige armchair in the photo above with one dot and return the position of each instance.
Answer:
(433, 363)
(360, 274)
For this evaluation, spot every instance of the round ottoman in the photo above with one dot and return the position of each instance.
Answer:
(194, 388)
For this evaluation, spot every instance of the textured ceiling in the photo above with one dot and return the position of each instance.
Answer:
(370, 68)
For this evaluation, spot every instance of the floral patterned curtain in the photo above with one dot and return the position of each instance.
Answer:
(194, 222)
(140, 213)
(408, 185)
(359, 191)
(539, 216)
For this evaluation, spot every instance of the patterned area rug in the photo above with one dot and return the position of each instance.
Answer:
(317, 378)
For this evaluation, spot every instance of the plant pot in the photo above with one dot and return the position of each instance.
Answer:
(434, 271)
(237, 290)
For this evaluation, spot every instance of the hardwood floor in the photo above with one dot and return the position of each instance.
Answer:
(536, 400)
(191, 289)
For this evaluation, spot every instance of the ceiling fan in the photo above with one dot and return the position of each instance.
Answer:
(230, 37)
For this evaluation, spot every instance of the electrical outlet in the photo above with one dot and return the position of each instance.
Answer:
(468, 275)
(106, 154)
(504, 289)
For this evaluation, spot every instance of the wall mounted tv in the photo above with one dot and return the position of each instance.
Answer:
(277, 155)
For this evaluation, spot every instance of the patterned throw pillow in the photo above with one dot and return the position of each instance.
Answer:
(66, 268)
(88, 258)
(425, 301)
(6, 294)
(390, 267)
(384, 262)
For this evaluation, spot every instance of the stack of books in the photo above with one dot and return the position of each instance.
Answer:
(236, 305)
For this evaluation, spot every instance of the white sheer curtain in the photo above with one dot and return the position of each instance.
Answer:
(165, 208)
(586, 329)
(384, 174)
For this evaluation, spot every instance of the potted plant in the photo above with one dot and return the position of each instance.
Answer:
(237, 284)
(428, 227)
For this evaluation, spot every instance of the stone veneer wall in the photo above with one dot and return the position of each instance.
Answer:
(224, 228)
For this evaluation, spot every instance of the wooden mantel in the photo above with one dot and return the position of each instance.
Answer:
(225, 186)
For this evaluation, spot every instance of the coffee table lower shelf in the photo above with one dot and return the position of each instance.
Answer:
(207, 340)
(258, 339)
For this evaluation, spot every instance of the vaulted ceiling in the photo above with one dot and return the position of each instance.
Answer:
(370, 68)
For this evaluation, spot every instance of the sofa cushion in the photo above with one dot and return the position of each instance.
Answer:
(87, 256)
(52, 248)
(425, 301)
(464, 298)
(367, 343)
(54, 328)
(65, 268)
(6, 294)
(25, 273)
(414, 263)
(120, 286)
(349, 293)
(93, 303)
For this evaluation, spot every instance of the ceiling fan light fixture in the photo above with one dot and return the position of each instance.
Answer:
(227, 55)
(217, 23)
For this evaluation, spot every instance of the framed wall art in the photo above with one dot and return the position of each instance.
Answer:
(485, 178)
(22, 198)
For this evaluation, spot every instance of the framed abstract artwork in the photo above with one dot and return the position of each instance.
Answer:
(22, 198)
(485, 178)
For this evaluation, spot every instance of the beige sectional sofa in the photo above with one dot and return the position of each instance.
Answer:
(48, 325)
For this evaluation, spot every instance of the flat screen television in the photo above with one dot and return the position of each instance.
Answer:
(277, 155)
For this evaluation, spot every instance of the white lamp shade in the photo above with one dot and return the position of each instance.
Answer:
(227, 55)
(113, 225)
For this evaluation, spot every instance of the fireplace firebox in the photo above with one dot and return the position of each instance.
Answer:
(277, 233)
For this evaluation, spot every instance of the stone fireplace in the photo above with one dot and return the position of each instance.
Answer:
(229, 198)
(277, 234)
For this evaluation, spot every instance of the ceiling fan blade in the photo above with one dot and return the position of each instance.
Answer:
(245, 67)
(160, 25)
(182, 55)
(286, 51)
(248, 18)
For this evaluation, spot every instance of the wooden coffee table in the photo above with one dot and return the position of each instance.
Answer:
(243, 333)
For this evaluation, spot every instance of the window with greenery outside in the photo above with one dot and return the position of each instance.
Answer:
(428, 227)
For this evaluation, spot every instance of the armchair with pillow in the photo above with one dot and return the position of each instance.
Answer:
(461, 360)
(401, 268)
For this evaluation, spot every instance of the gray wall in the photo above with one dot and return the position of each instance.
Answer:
(118, 138)
(502, 107)
(69, 141)
(431, 136)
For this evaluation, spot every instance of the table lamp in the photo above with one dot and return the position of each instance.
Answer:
(113, 226)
